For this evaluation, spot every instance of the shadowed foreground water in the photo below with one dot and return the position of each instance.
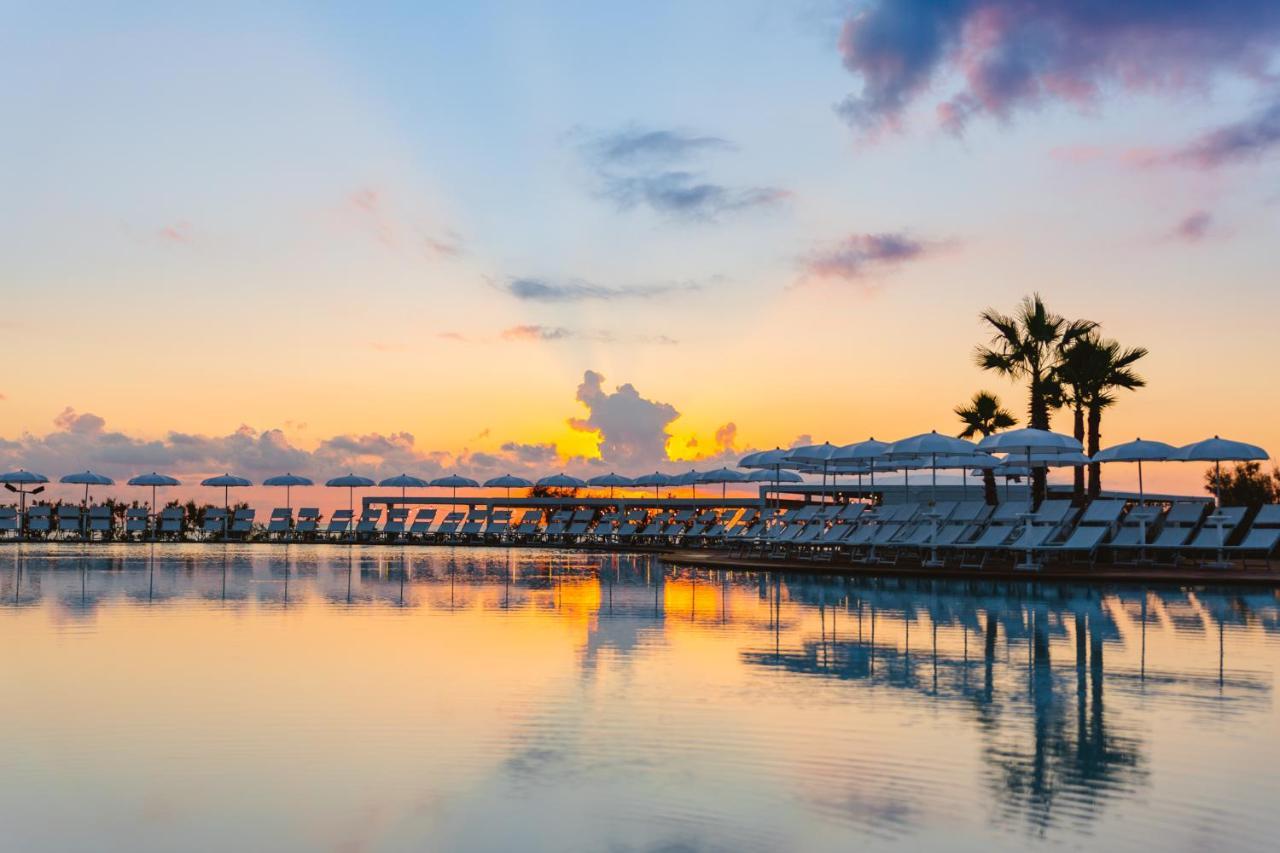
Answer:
(322, 698)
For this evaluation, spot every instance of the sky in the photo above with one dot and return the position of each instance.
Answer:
(539, 236)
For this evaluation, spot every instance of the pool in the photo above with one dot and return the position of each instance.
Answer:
(320, 697)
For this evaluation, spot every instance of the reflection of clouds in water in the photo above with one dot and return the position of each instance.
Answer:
(679, 710)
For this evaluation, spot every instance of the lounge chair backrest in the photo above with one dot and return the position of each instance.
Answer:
(309, 513)
(1268, 516)
(1052, 512)
(1102, 511)
(968, 511)
(1008, 511)
(1186, 513)
(1232, 516)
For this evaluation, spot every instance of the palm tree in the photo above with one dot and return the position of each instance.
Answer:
(1029, 344)
(1070, 390)
(983, 416)
(1114, 372)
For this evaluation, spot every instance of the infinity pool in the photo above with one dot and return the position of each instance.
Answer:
(367, 698)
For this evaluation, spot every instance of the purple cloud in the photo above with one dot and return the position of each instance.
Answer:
(1248, 139)
(1194, 227)
(863, 256)
(1011, 55)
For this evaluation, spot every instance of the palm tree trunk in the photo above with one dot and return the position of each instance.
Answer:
(1039, 419)
(1095, 439)
(989, 488)
(1078, 423)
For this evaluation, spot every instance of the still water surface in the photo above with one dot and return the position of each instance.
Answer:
(351, 699)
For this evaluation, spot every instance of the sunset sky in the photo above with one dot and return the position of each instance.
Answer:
(535, 236)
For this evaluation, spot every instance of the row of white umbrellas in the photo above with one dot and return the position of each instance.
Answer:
(1024, 449)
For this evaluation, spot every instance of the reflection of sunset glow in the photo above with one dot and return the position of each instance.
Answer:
(425, 686)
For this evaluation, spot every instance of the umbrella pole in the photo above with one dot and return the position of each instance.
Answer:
(226, 512)
(155, 516)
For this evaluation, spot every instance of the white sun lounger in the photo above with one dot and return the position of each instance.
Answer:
(281, 522)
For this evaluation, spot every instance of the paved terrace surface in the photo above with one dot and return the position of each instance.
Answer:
(1182, 575)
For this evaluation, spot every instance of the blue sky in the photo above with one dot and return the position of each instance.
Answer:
(247, 210)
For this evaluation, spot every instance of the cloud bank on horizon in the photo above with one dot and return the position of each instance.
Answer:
(631, 435)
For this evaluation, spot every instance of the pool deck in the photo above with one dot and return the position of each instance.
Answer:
(1182, 575)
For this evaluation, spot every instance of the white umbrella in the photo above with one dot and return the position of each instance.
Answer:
(508, 482)
(561, 481)
(929, 447)
(723, 476)
(455, 482)
(1029, 441)
(87, 479)
(656, 479)
(1137, 451)
(155, 481)
(862, 453)
(1218, 450)
(611, 480)
(689, 478)
(288, 481)
(17, 481)
(817, 455)
(226, 482)
(775, 460)
(403, 482)
(350, 482)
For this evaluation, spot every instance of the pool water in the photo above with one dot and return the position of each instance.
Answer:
(260, 697)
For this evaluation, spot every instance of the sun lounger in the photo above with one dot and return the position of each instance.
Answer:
(473, 527)
(1217, 530)
(172, 520)
(421, 527)
(397, 522)
(499, 525)
(1083, 541)
(449, 527)
(39, 520)
(281, 522)
(529, 526)
(367, 526)
(70, 519)
(1262, 537)
(215, 521)
(579, 523)
(100, 521)
(242, 522)
(339, 524)
(308, 522)
(8, 520)
(136, 520)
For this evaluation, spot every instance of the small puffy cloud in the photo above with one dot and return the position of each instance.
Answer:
(68, 420)
(864, 256)
(686, 195)
(1194, 227)
(1009, 56)
(632, 432)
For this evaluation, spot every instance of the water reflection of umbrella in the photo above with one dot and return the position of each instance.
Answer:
(226, 482)
(350, 482)
(87, 479)
(723, 476)
(508, 482)
(17, 481)
(611, 480)
(288, 481)
(155, 481)
(656, 479)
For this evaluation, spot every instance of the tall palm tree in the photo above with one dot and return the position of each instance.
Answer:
(1070, 390)
(1029, 344)
(1114, 372)
(982, 416)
